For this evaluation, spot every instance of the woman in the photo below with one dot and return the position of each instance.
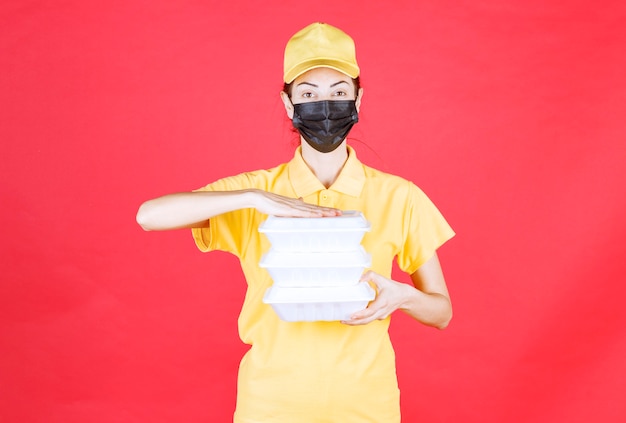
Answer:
(319, 371)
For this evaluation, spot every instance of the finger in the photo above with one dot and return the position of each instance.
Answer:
(302, 213)
(360, 319)
(287, 207)
(307, 211)
(316, 210)
(321, 208)
(365, 319)
(374, 278)
(368, 276)
(364, 316)
(296, 207)
(301, 202)
(358, 322)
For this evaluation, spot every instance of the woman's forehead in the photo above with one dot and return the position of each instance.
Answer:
(322, 75)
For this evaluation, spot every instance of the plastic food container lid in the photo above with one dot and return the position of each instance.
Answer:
(349, 220)
(337, 259)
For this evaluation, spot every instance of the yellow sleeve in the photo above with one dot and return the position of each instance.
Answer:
(424, 230)
(230, 231)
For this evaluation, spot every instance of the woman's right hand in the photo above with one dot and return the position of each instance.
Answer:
(279, 205)
(194, 209)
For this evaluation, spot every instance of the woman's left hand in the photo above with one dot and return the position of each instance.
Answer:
(390, 297)
(427, 300)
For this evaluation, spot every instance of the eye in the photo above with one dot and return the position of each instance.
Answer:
(307, 94)
(340, 93)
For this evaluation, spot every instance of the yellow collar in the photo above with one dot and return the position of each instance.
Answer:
(350, 181)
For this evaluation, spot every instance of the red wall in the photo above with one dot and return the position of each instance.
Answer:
(509, 114)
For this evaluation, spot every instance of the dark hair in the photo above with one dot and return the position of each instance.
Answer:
(356, 81)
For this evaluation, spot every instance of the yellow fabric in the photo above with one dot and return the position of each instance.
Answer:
(319, 45)
(314, 372)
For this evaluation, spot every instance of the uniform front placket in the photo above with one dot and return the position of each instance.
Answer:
(326, 198)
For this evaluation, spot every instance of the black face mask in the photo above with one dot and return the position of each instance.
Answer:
(325, 124)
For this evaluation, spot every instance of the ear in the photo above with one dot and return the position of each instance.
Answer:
(359, 96)
(287, 103)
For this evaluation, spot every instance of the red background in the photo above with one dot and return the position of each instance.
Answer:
(509, 114)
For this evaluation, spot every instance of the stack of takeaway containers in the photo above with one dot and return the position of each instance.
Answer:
(316, 265)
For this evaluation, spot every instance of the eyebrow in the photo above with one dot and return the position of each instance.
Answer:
(315, 86)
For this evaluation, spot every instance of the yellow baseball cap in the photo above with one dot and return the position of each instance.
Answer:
(319, 45)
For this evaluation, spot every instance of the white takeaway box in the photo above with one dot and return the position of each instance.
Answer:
(334, 233)
(318, 304)
(311, 269)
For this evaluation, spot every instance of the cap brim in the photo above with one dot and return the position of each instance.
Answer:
(348, 69)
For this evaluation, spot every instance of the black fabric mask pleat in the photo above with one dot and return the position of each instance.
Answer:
(325, 124)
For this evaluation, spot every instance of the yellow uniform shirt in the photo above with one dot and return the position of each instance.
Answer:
(314, 372)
